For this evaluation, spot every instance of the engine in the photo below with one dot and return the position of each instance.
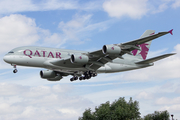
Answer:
(79, 59)
(111, 49)
(50, 75)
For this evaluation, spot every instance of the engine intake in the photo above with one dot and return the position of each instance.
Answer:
(79, 59)
(50, 75)
(111, 49)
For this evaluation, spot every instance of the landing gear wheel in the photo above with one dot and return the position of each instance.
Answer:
(80, 78)
(75, 78)
(72, 79)
(15, 71)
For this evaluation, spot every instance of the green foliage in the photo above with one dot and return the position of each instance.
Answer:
(87, 115)
(118, 110)
(163, 115)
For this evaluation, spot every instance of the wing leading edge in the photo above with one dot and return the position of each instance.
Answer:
(148, 38)
(126, 48)
(132, 45)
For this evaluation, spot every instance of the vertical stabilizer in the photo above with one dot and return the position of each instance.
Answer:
(142, 54)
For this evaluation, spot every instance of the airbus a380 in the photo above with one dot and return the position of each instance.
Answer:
(84, 65)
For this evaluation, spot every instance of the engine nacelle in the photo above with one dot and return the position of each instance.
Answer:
(111, 49)
(57, 78)
(79, 59)
(50, 75)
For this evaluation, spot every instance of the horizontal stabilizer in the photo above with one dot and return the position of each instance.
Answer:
(151, 60)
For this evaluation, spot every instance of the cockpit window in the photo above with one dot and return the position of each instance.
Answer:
(11, 52)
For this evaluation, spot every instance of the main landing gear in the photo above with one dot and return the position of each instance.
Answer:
(74, 78)
(86, 75)
(15, 70)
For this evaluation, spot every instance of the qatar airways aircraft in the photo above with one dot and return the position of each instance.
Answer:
(84, 65)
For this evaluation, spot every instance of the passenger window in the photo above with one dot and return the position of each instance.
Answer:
(11, 52)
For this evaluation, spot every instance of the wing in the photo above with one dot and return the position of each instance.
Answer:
(146, 39)
(98, 58)
(134, 44)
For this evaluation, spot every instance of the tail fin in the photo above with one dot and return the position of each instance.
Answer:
(142, 54)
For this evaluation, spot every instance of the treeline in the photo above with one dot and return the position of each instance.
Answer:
(121, 110)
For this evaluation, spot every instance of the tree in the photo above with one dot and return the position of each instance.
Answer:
(87, 115)
(118, 110)
(162, 115)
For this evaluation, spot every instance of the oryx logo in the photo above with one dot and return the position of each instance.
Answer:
(80, 57)
(144, 50)
(112, 48)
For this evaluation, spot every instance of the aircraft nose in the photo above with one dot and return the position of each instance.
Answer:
(6, 58)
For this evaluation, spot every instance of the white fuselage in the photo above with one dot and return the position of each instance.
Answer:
(40, 57)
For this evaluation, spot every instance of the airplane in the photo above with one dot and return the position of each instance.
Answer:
(84, 65)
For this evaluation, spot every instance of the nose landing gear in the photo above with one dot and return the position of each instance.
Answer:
(15, 70)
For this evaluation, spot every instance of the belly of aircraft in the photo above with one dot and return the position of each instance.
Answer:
(44, 63)
(115, 67)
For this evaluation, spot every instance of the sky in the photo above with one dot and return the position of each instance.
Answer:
(87, 25)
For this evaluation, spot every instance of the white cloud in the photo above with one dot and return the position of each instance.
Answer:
(144, 95)
(158, 6)
(167, 68)
(172, 108)
(80, 28)
(56, 4)
(156, 53)
(17, 30)
(132, 8)
(4, 91)
(167, 101)
(115, 8)
(162, 7)
(176, 4)
(58, 89)
(53, 39)
(15, 6)
(136, 9)
(41, 102)
(72, 28)
(111, 94)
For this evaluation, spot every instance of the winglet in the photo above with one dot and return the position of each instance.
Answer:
(171, 31)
